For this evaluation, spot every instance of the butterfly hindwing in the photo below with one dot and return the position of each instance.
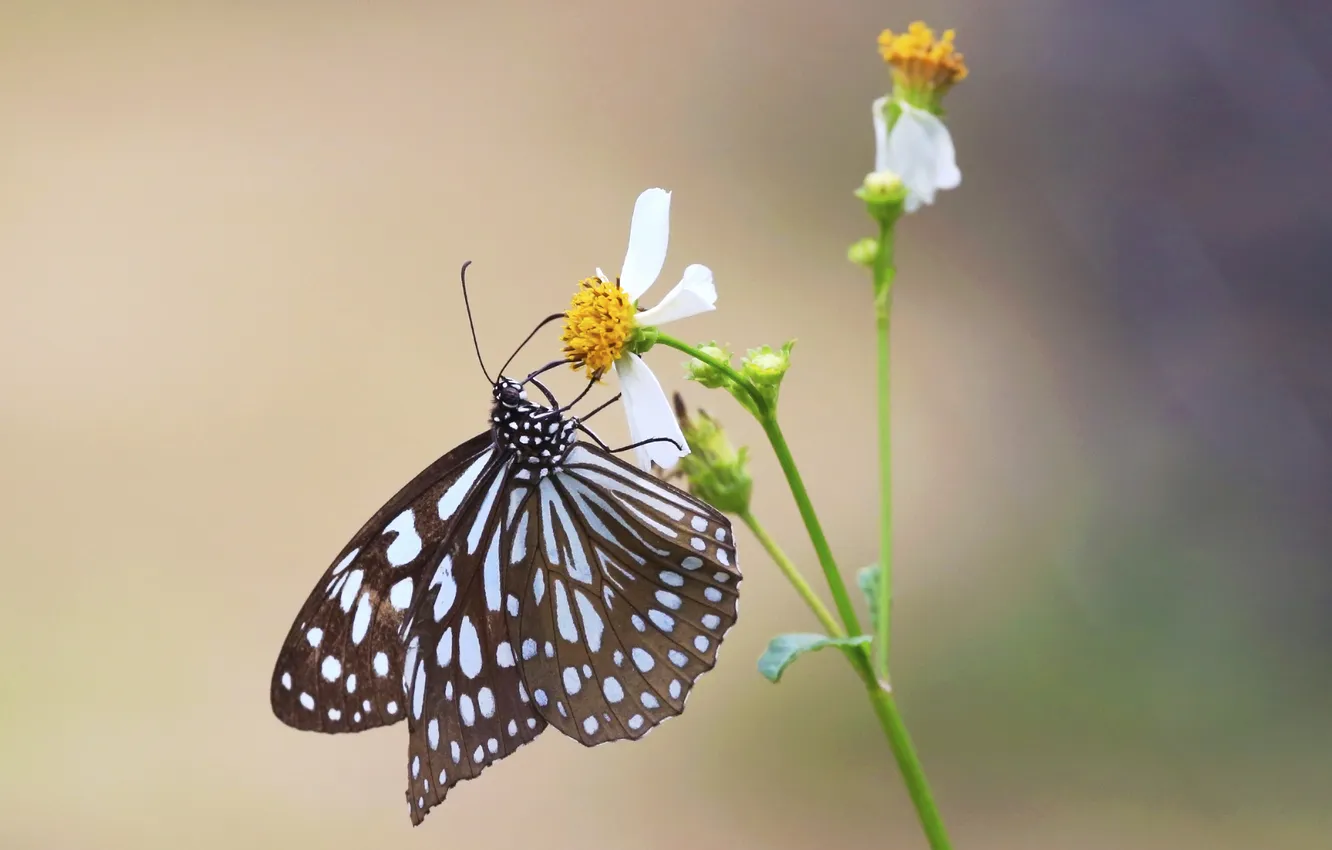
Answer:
(340, 668)
(631, 588)
(467, 704)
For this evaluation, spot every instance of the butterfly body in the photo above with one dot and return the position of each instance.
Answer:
(525, 579)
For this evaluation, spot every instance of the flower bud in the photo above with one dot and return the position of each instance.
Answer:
(884, 195)
(863, 252)
(765, 368)
(716, 472)
(707, 374)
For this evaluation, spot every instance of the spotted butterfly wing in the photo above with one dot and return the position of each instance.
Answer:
(578, 591)
(340, 668)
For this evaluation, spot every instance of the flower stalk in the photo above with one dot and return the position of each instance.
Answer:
(884, 272)
(861, 657)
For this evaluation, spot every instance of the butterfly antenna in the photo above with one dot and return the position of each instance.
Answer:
(471, 325)
(551, 318)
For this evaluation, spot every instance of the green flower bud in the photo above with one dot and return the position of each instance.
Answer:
(863, 252)
(706, 374)
(765, 368)
(884, 195)
(716, 472)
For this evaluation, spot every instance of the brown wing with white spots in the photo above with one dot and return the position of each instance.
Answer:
(633, 586)
(467, 706)
(341, 667)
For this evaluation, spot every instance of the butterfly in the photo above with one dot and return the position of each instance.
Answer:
(528, 578)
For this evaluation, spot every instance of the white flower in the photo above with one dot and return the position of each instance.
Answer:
(918, 149)
(645, 404)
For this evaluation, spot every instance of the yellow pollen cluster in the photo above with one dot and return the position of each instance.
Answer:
(920, 61)
(597, 325)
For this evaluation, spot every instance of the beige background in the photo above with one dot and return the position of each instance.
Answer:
(230, 327)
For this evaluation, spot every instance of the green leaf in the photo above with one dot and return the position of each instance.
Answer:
(784, 649)
(868, 579)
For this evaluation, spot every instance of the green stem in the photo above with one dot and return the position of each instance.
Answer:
(841, 597)
(793, 575)
(884, 272)
(908, 763)
(881, 698)
(767, 417)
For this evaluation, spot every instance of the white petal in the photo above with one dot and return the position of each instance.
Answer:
(694, 294)
(881, 135)
(649, 413)
(920, 150)
(649, 232)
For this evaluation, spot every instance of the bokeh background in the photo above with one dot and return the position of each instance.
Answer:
(230, 327)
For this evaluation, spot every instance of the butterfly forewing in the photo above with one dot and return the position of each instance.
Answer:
(340, 668)
(631, 588)
(467, 704)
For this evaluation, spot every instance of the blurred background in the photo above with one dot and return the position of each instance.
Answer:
(230, 328)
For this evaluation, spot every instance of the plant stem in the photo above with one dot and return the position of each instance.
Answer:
(884, 272)
(908, 763)
(793, 575)
(767, 417)
(881, 698)
(841, 597)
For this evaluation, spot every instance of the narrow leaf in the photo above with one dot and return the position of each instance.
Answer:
(784, 649)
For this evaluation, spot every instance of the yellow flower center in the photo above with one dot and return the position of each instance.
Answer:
(921, 63)
(597, 325)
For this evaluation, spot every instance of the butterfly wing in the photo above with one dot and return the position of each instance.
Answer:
(467, 705)
(340, 668)
(633, 585)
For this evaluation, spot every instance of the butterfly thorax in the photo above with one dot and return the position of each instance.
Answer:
(537, 437)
